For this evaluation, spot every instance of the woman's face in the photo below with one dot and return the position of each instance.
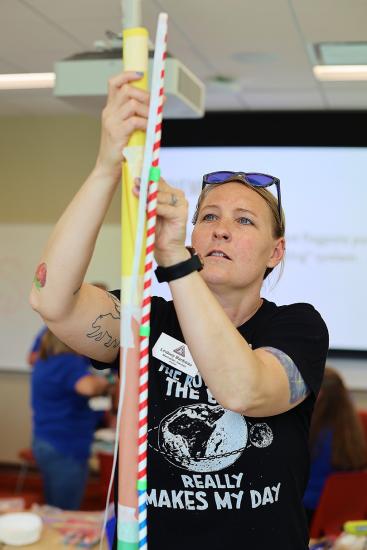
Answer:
(233, 235)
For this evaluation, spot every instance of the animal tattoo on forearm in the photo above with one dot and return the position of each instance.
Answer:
(100, 332)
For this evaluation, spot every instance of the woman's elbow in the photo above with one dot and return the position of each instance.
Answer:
(232, 403)
(238, 401)
(37, 305)
(47, 309)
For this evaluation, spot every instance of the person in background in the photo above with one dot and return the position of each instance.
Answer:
(63, 423)
(105, 418)
(337, 440)
(34, 352)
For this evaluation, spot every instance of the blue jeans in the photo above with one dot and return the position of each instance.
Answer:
(64, 477)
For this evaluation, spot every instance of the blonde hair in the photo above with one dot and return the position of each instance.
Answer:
(51, 345)
(278, 221)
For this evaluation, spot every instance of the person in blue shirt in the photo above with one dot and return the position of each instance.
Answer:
(63, 423)
(33, 353)
(337, 440)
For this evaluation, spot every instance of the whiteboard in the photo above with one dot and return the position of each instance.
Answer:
(324, 195)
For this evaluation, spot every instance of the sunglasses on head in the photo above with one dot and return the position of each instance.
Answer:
(253, 179)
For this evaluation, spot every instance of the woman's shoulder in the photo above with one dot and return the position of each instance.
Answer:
(298, 318)
(293, 307)
(298, 310)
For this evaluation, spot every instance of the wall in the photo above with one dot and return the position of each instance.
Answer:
(43, 162)
(15, 415)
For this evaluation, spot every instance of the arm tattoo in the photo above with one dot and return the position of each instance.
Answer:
(99, 332)
(298, 388)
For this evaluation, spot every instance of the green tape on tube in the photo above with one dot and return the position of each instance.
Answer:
(141, 485)
(123, 545)
(155, 173)
(144, 330)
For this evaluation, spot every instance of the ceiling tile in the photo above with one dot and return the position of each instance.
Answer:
(331, 20)
(344, 95)
(264, 26)
(261, 45)
(78, 8)
(9, 67)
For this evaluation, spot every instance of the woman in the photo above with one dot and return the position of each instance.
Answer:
(63, 423)
(228, 427)
(337, 439)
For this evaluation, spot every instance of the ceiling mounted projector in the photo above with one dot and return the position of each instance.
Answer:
(82, 80)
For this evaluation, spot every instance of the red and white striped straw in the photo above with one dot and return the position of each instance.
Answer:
(158, 90)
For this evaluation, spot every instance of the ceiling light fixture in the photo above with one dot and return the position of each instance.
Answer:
(340, 72)
(24, 81)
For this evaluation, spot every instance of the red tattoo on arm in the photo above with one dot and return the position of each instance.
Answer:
(40, 276)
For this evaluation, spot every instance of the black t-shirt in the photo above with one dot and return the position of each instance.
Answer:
(218, 479)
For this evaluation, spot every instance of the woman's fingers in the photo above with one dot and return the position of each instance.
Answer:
(166, 190)
(118, 131)
(171, 202)
(135, 123)
(133, 108)
(170, 212)
(115, 83)
(164, 186)
(172, 198)
(169, 199)
(127, 110)
(128, 92)
(171, 209)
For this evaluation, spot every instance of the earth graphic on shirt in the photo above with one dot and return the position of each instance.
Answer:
(202, 438)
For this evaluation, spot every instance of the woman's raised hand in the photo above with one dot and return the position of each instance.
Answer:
(172, 211)
(126, 110)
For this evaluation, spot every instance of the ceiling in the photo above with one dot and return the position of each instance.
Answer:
(251, 55)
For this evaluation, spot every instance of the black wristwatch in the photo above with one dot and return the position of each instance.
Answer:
(172, 272)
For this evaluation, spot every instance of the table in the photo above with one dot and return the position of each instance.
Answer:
(50, 540)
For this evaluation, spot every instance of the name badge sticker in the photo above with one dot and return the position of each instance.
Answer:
(174, 353)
